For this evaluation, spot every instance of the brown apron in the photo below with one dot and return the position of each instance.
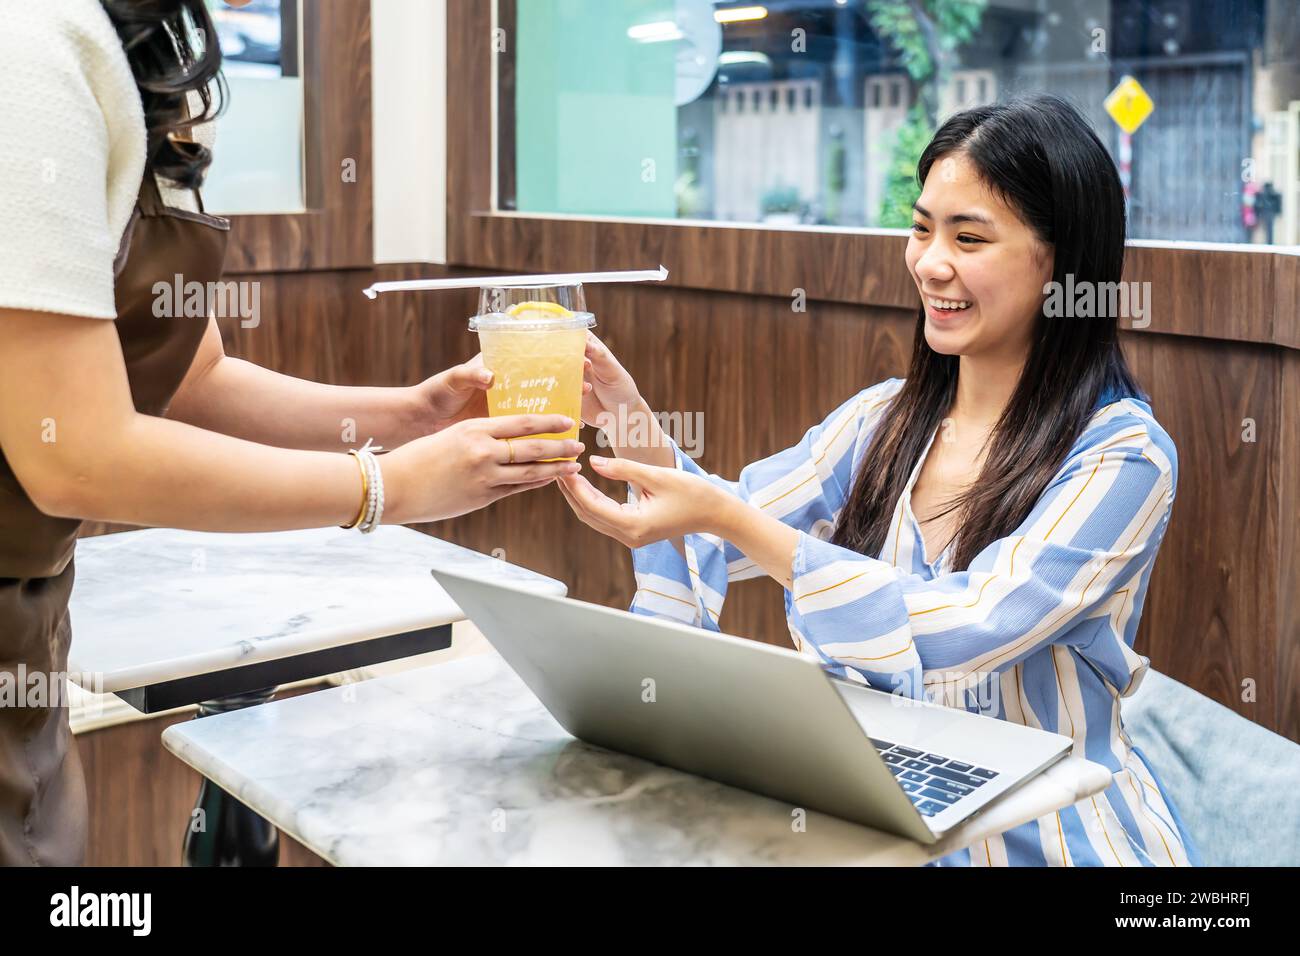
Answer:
(42, 790)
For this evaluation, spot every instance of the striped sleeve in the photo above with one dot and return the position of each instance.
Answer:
(1095, 528)
(803, 486)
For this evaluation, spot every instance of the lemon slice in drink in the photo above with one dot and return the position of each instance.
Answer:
(538, 310)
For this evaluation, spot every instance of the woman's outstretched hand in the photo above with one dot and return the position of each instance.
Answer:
(670, 502)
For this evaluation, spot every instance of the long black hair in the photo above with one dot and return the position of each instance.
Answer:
(1040, 155)
(172, 48)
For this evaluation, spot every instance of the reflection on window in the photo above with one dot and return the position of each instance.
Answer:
(815, 111)
(258, 159)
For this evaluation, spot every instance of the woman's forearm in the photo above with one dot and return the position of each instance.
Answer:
(763, 539)
(244, 400)
(635, 434)
(161, 473)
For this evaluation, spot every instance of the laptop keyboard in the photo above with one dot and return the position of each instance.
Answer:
(932, 782)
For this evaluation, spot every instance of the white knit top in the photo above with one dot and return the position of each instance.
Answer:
(72, 149)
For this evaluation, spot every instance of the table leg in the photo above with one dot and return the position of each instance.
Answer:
(221, 830)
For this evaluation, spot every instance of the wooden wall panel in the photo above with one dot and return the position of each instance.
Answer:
(1286, 296)
(335, 231)
(1216, 294)
(140, 797)
(1287, 507)
(1212, 613)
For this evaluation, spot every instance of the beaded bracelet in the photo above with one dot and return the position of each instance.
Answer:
(375, 504)
(372, 489)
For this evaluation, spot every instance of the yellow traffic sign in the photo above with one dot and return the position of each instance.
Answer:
(1128, 104)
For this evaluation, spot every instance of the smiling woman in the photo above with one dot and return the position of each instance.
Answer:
(991, 228)
(1018, 450)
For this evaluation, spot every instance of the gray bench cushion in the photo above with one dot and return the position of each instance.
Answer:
(1235, 785)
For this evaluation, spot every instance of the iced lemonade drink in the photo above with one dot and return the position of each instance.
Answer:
(535, 351)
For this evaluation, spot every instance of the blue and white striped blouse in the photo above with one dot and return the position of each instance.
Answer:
(1039, 630)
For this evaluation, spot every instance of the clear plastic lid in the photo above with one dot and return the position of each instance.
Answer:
(531, 321)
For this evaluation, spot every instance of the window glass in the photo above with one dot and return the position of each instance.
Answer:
(815, 111)
(258, 161)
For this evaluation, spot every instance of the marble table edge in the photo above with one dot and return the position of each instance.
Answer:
(230, 656)
(440, 610)
(251, 795)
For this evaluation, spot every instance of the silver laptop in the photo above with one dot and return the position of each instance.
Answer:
(752, 715)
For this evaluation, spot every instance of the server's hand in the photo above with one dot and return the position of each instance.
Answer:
(473, 463)
(456, 394)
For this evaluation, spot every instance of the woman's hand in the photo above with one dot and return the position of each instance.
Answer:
(612, 387)
(455, 395)
(670, 502)
(473, 463)
(614, 405)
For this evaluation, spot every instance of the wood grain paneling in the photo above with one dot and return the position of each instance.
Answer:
(1286, 503)
(1230, 296)
(1214, 294)
(1212, 617)
(335, 231)
(1286, 301)
(140, 797)
(469, 111)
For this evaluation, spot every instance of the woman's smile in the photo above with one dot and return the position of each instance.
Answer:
(947, 312)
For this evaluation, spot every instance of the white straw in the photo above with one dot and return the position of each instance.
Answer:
(479, 282)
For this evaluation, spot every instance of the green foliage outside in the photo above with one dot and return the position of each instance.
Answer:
(926, 34)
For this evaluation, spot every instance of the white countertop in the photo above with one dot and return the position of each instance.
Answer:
(459, 763)
(159, 605)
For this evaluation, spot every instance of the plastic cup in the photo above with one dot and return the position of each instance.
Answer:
(534, 343)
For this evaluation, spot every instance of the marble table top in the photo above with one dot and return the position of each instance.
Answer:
(459, 763)
(158, 605)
